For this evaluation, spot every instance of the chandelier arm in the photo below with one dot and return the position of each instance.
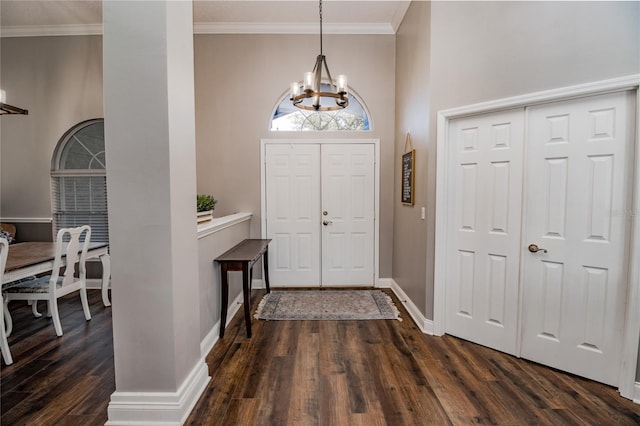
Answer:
(331, 82)
(317, 73)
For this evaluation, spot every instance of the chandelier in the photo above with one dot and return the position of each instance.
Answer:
(312, 85)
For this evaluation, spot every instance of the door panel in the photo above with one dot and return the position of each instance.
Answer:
(484, 241)
(293, 213)
(577, 188)
(299, 177)
(348, 199)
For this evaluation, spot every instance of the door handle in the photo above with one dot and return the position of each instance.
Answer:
(326, 222)
(533, 248)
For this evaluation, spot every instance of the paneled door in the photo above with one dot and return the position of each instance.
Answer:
(348, 214)
(483, 260)
(293, 213)
(320, 214)
(578, 187)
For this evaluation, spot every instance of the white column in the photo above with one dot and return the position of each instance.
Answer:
(150, 151)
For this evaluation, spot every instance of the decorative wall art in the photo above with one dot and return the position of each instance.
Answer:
(408, 175)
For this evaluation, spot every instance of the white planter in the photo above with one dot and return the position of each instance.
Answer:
(204, 217)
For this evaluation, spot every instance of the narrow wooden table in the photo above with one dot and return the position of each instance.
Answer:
(241, 258)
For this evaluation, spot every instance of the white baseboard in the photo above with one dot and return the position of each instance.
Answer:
(425, 325)
(214, 334)
(257, 283)
(636, 393)
(159, 408)
(384, 283)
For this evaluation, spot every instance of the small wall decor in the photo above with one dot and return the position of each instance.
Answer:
(408, 175)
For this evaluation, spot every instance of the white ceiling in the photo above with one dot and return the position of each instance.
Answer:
(72, 17)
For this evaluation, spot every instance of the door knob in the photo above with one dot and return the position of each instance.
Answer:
(326, 222)
(533, 248)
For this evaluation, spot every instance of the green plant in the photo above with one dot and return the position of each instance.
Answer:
(205, 202)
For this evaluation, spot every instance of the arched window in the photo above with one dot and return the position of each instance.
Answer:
(79, 180)
(289, 118)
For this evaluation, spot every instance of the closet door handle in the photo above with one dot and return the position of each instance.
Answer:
(326, 222)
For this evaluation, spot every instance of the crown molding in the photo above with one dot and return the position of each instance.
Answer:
(215, 28)
(291, 28)
(51, 30)
(399, 16)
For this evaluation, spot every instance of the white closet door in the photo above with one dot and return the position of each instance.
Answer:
(348, 188)
(483, 250)
(293, 213)
(577, 195)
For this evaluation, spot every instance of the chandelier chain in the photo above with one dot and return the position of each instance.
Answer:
(320, 9)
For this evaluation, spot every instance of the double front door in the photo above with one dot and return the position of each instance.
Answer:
(538, 242)
(319, 204)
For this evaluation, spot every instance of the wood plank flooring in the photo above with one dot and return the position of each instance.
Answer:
(304, 373)
(65, 380)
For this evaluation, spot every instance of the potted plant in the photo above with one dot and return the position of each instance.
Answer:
(205, 204)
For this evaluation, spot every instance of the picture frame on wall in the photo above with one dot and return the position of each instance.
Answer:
(408, 178)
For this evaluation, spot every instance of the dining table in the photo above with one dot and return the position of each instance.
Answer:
(32, 258)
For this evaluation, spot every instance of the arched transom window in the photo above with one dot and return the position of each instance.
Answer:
(287, 117)
(79, 180)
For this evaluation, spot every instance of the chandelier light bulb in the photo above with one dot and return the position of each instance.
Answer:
(308, 81)
(295, 89)
(342, 84)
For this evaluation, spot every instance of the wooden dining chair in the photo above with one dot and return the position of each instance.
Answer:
(4, 344)
(51, 287)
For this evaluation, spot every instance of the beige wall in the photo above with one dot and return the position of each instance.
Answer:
(413, 257)
(239, 81)
(59, 80)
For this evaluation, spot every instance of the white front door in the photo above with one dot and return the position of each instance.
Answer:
(578, 184)
(348, 219)
(483, 254)
(302, 181)
(293, 213)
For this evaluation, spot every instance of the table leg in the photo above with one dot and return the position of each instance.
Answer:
(106, 278)
(224, 299)
(265, 261)
(246, 292)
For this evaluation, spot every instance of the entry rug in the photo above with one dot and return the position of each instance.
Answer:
(327, 305)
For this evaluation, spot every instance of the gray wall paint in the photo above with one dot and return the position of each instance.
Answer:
(413, 251)
(239, 81)
(480, 51)
(59, 80)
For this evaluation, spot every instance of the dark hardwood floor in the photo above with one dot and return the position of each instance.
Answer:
(304, 373)
(65, 380)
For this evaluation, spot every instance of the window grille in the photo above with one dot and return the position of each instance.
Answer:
(79, 182)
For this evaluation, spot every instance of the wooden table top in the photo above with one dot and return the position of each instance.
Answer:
(26, 254)
(246, 251)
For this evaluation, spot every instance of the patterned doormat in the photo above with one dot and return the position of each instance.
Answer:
(327, 305)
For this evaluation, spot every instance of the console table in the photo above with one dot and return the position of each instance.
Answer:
(241, 258)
